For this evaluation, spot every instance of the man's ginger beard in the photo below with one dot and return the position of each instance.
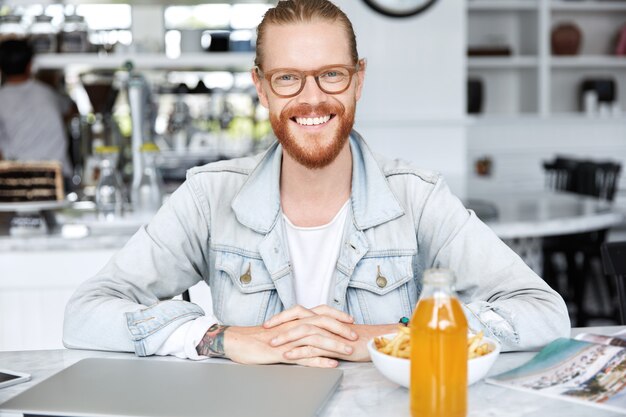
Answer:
(314, 155)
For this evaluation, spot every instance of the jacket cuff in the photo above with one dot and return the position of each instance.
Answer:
(151, 327)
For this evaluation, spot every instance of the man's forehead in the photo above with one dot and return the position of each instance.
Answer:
(305, 45)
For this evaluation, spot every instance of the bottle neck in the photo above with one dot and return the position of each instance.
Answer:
(149, 159)
(108, 163)
(438, 290)
(438, 282)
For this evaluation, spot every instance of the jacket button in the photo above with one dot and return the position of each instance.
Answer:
(246, 277)
(381, 281)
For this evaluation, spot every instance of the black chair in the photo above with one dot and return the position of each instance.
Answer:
(614, 262)
(560, 173)
(596, 179)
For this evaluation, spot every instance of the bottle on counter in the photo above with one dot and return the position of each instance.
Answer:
(110, 188)
(11, 27)
(74, 35)
(43, 35)
(439, 356)
(147, 190)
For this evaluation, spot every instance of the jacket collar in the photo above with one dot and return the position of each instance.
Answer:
(257, 205)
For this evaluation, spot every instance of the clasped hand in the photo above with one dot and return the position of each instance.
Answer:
(311, 337)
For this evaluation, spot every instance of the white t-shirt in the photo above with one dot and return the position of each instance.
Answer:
(313, 251)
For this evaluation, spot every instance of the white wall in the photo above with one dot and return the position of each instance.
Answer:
(518, 147)
(413, 101)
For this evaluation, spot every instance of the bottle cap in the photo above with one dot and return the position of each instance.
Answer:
(149, 147)
(107, 149)
(439, 276)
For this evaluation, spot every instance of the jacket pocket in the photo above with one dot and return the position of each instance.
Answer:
(382, 289)
(247, 289)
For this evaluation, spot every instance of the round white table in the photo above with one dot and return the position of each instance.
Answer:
(523, 219)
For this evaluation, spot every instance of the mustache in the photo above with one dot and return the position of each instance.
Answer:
(309, 110)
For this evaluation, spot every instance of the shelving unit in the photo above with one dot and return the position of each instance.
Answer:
(503, 62)
(589, 6)
(492, 5)
(598, 61)
(531, 81)
(227, 61)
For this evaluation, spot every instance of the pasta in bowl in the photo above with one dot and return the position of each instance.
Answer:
(390, 355)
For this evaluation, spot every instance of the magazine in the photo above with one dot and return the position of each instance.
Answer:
(590, 369)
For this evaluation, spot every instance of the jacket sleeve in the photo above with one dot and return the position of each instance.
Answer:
(502, 295)
(128, 305)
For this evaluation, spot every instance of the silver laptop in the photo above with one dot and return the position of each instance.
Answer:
(156, 388)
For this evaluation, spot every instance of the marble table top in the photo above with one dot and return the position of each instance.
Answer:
(545, 213)
(363, 391)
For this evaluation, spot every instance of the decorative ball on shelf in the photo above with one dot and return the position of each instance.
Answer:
(566, 39)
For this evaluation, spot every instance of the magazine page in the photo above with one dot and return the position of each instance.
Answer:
(574, 370)
(617, 339)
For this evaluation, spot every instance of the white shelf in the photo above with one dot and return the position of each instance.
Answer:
(599, 62)
(131, 2)
(531, 118)
(502, 5)
(538, 82)
(236, 61)
(589, 6)
(507, 62)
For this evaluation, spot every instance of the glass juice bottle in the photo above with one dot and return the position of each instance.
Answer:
(110, 189)
(438, 350)
(147, 191)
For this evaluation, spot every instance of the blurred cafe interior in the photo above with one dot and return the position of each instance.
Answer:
(520, 104)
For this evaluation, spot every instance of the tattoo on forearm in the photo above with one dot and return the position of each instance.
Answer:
(212, 343)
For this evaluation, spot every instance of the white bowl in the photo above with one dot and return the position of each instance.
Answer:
(398, 370)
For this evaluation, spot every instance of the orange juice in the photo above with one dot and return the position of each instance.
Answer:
(438, 354)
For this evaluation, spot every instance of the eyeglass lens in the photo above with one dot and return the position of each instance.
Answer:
(331, 80)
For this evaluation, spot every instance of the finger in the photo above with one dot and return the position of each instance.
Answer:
(298, 332)
(340, 329)
(317, 325)
(294, 313)
(318, 362)
(326, 310)
(317, 345)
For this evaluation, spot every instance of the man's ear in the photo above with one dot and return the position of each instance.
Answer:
(259, 88)
(360, 78)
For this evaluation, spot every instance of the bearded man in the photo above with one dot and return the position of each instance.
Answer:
(312, 248)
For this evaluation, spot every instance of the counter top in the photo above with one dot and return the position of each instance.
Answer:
(56, 242)
(77, 233)
(363, 390)
(511, 216)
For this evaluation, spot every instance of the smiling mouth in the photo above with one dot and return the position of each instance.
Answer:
(313, 121)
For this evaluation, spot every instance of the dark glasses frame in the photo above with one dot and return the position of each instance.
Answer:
(316, 73)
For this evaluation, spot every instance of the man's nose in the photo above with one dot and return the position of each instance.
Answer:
(311, 93)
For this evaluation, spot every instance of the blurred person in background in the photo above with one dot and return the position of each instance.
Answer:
(32, 114)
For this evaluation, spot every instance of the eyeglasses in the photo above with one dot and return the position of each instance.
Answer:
(289, 82)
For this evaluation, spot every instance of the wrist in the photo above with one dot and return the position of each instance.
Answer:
(212, 343)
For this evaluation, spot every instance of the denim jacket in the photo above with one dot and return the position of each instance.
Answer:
(222, 226)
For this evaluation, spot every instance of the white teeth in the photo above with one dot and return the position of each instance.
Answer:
(311, 121)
